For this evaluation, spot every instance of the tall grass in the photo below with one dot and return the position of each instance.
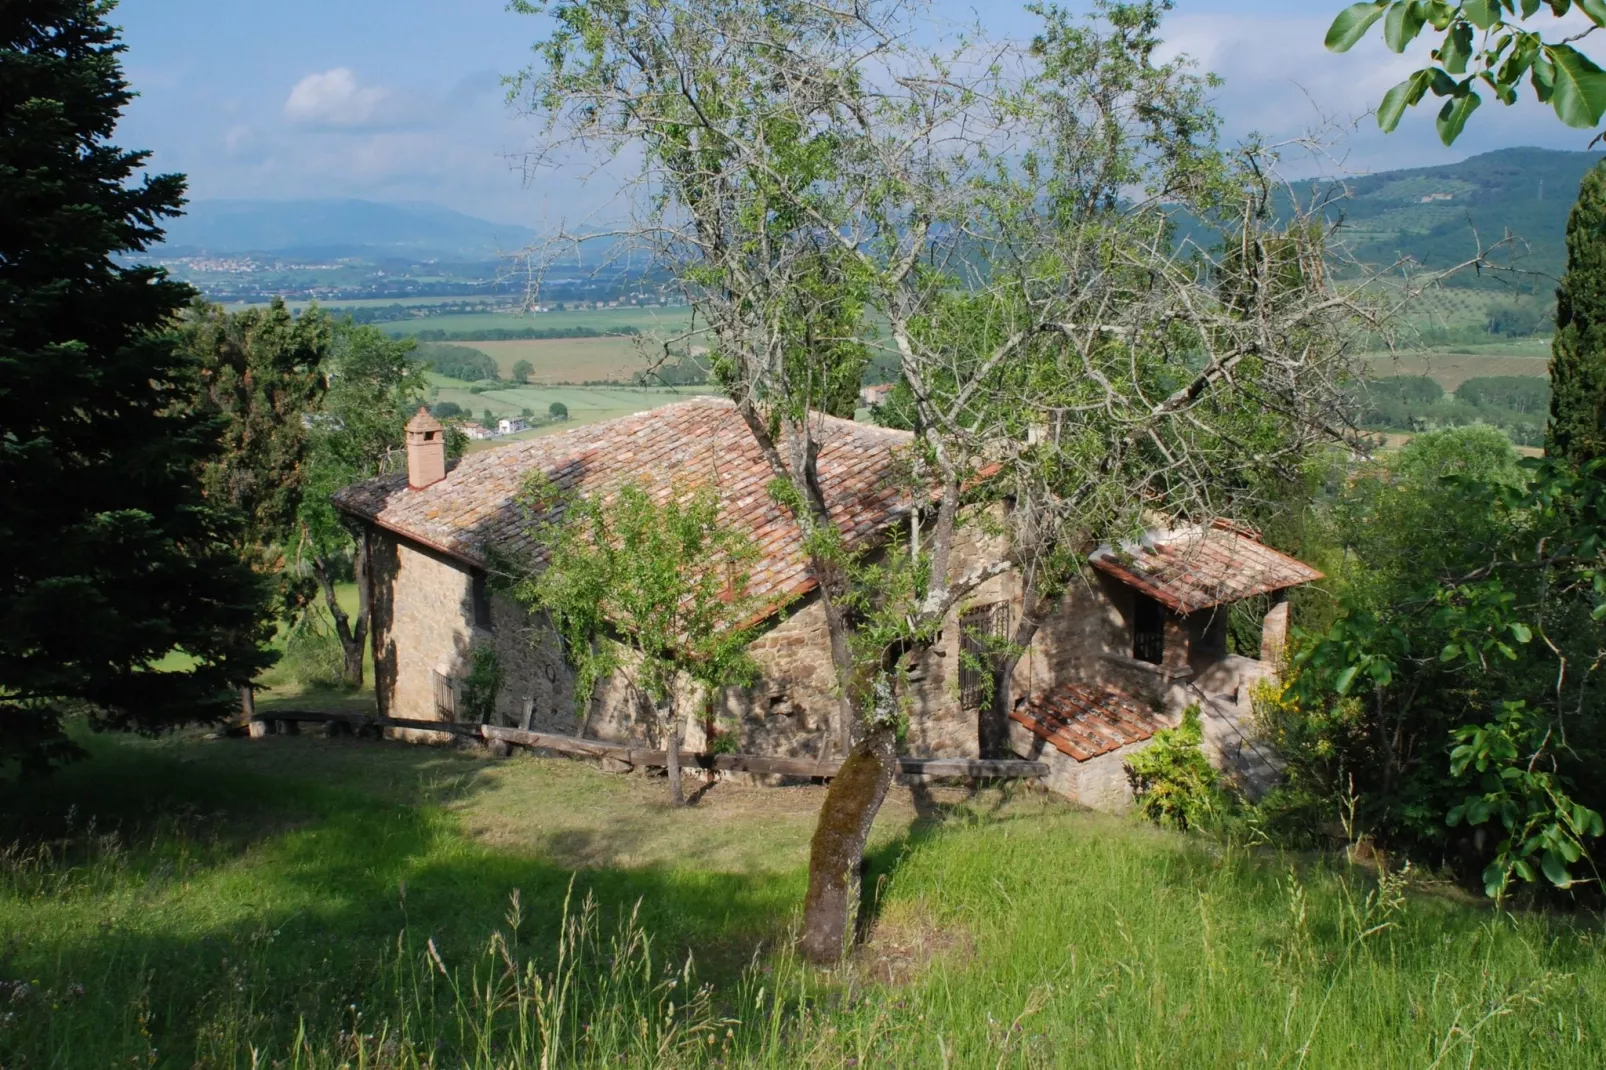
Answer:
(1060, 940)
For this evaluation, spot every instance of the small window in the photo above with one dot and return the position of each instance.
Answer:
(445, 696)
(1148, 629)
(481, 596)
(979, 630)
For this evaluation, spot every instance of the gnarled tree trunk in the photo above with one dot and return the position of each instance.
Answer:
(836, 853)
(353, 634)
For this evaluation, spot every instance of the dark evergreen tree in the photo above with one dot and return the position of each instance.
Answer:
(262, 371)
(1577, 428)
(111, 558)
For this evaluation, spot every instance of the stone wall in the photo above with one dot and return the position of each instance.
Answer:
(424, 622)
(1099, 783)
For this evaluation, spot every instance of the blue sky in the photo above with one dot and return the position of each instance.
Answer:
(400, 99)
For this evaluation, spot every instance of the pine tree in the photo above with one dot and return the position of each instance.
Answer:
(111, 559)
(1577, 428)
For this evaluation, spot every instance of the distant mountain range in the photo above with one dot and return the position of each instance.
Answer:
(1428, 213)
(1438, 215)
(334, 228)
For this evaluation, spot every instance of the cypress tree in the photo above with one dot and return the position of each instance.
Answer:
(1577, 429)
(121, 596)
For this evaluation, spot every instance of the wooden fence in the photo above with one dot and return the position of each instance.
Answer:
(641, 757)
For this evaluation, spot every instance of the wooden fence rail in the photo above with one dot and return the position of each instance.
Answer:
(643, 757)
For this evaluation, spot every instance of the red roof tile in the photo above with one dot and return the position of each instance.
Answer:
(696, 441)
(1085, 722)
(1197, 567)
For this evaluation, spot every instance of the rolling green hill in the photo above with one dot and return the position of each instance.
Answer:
(1437, 215)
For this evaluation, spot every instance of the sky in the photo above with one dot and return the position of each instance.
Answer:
(402, 100)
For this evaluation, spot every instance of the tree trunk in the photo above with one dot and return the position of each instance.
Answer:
(248, 702)
(672, 746)
(836, 854)
(352, 635)
(992, 724)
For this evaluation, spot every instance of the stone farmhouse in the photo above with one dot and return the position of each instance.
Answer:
(1141, 637)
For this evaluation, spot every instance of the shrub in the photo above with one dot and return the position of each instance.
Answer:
(558, 410)
(313, 657)
(1174, 783)
(482, 685)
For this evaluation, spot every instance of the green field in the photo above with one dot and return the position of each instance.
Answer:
(1452, 366)
(302, 902)
(587, 404)
(571, 360)
(666, 320)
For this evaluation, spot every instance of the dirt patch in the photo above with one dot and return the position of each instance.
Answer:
(905, 941)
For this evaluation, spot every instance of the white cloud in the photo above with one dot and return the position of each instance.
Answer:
(1280, 81)
(335, 98)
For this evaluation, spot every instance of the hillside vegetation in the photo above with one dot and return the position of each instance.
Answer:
(318, 903)
(1437, 215)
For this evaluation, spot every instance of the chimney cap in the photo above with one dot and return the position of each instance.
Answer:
(422, 421)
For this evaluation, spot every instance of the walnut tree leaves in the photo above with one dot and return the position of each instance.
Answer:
(1483, 41)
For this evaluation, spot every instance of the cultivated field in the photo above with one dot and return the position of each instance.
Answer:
(644, 319)
(587, 404)
(310, 903)
(570, 360)
(1452, 367)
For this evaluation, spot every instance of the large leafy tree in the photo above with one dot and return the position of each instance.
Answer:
(820, 186)
(374, 382)
(1577, 429)
(1457, 685)
(111, 557)
(262, 374)
(1496, 44)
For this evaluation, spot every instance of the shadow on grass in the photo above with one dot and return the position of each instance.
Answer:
(934, 814)
(165, 885)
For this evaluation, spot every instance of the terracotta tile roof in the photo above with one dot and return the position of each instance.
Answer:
(1085, 722)
(697, 440)
(1198, 567)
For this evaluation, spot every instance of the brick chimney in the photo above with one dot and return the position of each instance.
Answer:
(426, 450)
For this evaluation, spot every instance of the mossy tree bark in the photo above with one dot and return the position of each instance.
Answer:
(836, 854)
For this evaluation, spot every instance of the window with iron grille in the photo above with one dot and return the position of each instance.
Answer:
(445, 696)
(1148, 629)
(980, 629)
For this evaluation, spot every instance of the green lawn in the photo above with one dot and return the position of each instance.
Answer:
(302, 902)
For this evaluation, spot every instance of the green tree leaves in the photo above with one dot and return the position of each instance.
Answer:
(1579, 92)
(1352, 24)
(1577, 428)
(1483, 41)
(111, 555)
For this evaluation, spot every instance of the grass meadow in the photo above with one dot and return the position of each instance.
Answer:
(571, 360)
(665, 319)
(298, 901)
